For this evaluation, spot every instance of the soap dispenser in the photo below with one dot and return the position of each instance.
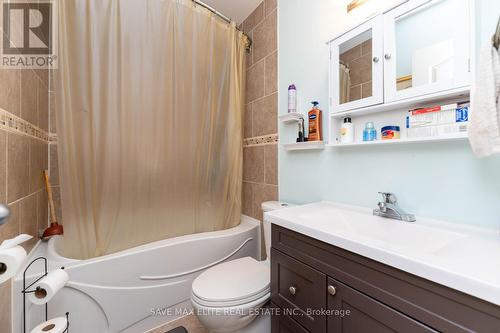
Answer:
(315, 123)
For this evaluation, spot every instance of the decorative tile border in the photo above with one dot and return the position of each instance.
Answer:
(261, 140)
(12, 123)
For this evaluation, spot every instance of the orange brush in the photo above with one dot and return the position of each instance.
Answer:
(55, 228)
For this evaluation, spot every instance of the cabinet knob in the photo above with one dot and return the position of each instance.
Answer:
(292, 290)
(388, 56)
(331, 290)
(375, 59)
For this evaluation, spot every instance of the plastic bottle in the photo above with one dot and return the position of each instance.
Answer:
(315, 123)
(369, 133)
(347, 131)
(292, 98)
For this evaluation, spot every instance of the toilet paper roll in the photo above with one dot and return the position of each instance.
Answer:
(56, 325)
(47, 287)
(10, 260)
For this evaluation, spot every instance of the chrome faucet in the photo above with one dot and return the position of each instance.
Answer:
(389, 208)
(4, 214)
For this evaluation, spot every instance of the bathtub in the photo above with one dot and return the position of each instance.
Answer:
(135, 290)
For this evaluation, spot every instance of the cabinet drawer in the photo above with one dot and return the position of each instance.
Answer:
(298, 289)
(366, 314)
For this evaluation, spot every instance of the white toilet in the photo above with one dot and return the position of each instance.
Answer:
(228, 298)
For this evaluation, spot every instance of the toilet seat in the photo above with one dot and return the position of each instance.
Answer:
(233, 283)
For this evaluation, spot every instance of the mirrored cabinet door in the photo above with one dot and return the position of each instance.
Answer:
(427, 48)
(357, 67)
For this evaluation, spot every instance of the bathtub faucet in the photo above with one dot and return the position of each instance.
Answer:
(4, 214)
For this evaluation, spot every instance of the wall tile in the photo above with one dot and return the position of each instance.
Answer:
(366, 89)
(247, 199)
(265, 115)
(262, 194)
(10, 94)
(56, 193)
(3, 166)
(255, 82)
(43, 105)
(271, 164)
(5, 312)
(270, 5)
(361, 70)
(351, 54)
(265, 37)
(253, 164)
(12, 228)
(249, 53)
(54, 166)
(28, 219)
(271, 74)
(355, 93)
(366, 48)
(18, 171)
(29, 96)
(52, 113)
(38, 162)
(253, 19)
(42, 209)
(248, 122)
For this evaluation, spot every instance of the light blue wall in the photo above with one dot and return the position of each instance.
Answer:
(443, 181)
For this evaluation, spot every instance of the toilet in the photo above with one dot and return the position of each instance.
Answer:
(228, 297)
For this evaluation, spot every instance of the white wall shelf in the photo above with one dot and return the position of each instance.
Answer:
(411, 103)
(461, 136)
(311, 145)
(291, 117)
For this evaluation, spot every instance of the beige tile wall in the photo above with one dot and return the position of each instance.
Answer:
(260, 160)
(359, 60)
(23, 157)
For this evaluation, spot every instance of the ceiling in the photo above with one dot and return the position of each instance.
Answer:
(237, 10)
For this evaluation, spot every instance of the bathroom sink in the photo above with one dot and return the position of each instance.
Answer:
(392, 235)
(460, 257)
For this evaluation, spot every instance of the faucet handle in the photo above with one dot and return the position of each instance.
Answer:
(389, 197)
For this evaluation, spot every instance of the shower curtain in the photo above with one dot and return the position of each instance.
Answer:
(150, 104)
(345, 83)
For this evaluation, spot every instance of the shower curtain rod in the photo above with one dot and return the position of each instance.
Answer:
(224, 18)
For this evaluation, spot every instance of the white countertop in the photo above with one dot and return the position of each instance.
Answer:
(460, 257)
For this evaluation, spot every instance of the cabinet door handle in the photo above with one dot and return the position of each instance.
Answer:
(387, 56)
(292, 290)
(332, 290)
(375, 59)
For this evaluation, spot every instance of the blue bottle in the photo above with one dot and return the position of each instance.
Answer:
(369, 133)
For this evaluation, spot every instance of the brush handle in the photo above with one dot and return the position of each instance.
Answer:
(53, 218)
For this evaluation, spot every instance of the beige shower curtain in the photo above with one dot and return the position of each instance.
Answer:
(149, 117)
(345, 83)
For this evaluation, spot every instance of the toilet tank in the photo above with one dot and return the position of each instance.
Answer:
(269, 206)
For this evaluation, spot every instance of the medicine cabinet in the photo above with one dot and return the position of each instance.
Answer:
(357, 68)
(427, 48)
(419, 48)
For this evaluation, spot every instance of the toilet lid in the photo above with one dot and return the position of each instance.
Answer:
(232, 281)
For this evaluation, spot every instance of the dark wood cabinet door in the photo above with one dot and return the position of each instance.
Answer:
(285, 324)
(297, 289)
(353, 312)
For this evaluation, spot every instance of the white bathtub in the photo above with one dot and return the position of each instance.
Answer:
(120, 292)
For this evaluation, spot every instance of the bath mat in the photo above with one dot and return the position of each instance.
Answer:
(179, 329)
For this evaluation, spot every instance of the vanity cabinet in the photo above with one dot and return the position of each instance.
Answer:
(322, 288)
(419, 48)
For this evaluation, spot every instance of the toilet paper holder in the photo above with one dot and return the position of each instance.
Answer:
(26, 290)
